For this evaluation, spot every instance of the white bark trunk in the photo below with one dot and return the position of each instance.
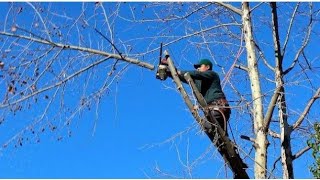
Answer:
(261, 138)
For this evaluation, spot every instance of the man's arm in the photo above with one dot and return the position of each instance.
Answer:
(180, 75)
(199, 75)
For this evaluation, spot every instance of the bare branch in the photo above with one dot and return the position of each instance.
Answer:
(300, 51)
(183, 92)
(89, 50)
(274, 134)
(40, 17)
(108, 25)
(36, 121)
(289, 29)
(53, 85)
(255, 162)
(274, 165)
(6, 19)
(272, 105)
(252, 9)
(248, 138)
(276, 38)
(301, 152)
(263, 57)
(230, 7)
(193, 34)
(306, 110)
(159, 19)
(241, 67)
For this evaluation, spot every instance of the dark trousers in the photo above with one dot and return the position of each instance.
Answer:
(221, 117)
(220, 110)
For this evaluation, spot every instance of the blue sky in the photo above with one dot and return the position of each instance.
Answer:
(143, 128)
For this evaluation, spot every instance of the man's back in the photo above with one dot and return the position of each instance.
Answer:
(208, 83)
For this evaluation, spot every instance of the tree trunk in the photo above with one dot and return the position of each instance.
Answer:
(261, 143)
(285, 131)
(286, 154)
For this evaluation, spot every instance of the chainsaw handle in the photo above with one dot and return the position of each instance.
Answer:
(160, 56)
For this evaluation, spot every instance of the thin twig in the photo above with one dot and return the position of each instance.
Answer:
(53, 85)
(274, 166)
(304, 45)
(289, 29)
(191, 35)
(40, 17)
(113, 45)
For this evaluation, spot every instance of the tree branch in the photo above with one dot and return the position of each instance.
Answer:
(183, 92)
(241, 67)
(89, 50)
(252, 9)
(301, 152)
(159, 19)
(289, 29)
(272, 105)
(40, 17)
(305, 43)
(230, 7)
(54, 85)
(191, 35)
(274, 165)
(263, 57)
(248, 139)
(274, 134)
(306, 110)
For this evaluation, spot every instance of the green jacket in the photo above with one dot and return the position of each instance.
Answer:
(208, 83)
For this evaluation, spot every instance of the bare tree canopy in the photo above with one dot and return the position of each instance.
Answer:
(72, 70)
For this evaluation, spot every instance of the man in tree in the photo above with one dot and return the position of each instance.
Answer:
(208, 84)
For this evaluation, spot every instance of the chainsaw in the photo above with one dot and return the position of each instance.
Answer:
(162, 67)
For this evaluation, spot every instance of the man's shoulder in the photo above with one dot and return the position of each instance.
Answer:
(213, 72)
(210, 72)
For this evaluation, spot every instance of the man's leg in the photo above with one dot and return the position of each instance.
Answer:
(221, 118)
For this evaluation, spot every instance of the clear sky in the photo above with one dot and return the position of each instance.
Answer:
(143, 128)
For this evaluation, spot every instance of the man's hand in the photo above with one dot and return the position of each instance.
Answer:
(164, 61)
